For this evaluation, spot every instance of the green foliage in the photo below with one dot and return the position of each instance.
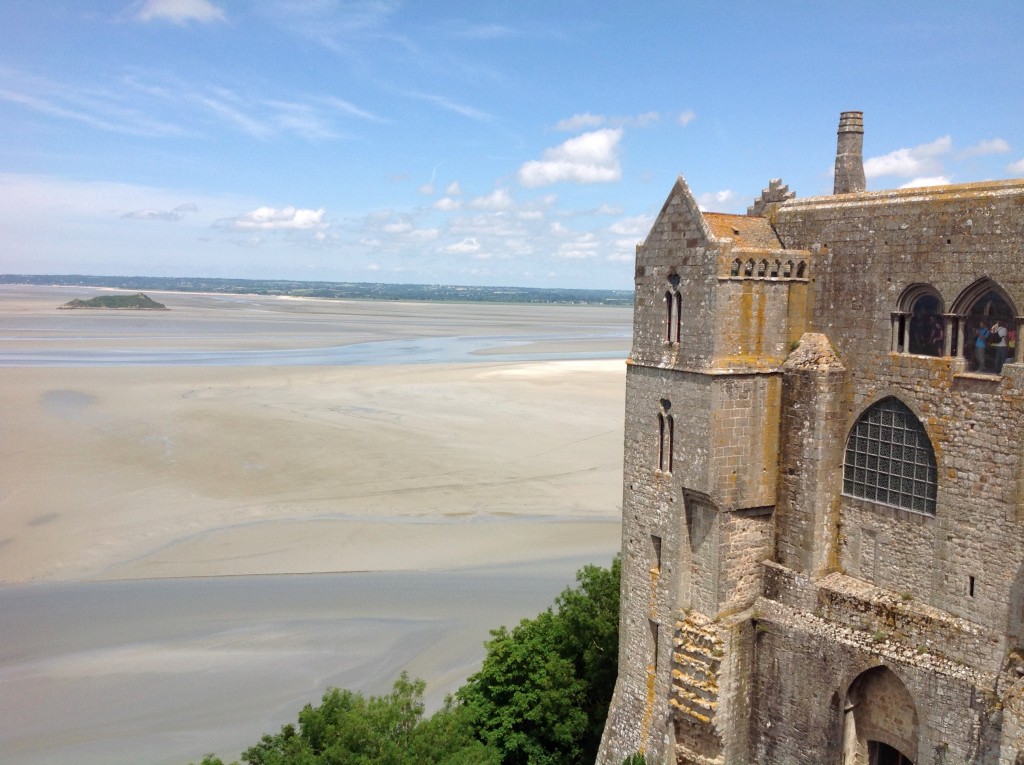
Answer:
(540, 698)
(635, 759)
(350, 729)
(543, 691)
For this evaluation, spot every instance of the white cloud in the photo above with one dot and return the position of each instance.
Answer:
(932, 180)
(685, 118)
(580, 121)
(635, 225)
(427, 189)
(908, 163)
(270, 218)
(607, 209)
(467, 246)
(588, 158)
(712, 200)
(499, 199)
(991, 146)
(447, 204)
(453, 189)
(180, 11)
(582, 247)
(1016, 167)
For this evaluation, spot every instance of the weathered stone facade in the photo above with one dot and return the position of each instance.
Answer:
(823, 520)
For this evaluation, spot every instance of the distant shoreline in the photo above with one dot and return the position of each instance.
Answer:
(333, 290)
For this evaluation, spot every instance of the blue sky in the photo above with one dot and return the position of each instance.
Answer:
(526, 143)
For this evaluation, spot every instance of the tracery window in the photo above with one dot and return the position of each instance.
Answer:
(890, 460)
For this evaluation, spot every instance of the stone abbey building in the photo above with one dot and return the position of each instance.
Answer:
(823, 514)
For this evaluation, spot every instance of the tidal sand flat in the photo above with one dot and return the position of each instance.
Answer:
(262, 437)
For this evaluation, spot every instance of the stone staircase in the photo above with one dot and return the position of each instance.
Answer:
(696, 661)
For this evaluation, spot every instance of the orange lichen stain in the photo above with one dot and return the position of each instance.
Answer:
(645, 725)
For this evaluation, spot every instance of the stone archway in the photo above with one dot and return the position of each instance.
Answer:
(879, 720)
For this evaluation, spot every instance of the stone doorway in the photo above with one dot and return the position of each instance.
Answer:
(879, 720)
(883, 754)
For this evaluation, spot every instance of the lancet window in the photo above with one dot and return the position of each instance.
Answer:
(666, 437)
(673, 310)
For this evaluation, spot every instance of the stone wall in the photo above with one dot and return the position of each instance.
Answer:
(768, 615)
(872, 247)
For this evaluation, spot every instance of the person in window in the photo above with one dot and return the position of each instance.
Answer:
(999, 343)
(980, 343)
(935, 336)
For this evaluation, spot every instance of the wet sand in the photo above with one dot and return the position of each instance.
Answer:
(313, 436)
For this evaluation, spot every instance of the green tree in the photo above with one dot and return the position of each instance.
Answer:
(543, 691)
(350, 729)
(540, 698)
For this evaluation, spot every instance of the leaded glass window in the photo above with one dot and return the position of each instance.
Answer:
(889, 459)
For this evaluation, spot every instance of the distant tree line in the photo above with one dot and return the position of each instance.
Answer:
(540, 698)
(338, 290)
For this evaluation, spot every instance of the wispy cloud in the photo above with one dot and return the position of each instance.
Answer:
(991, 146)
(179, 11)
(453, 106)
(351, 109)
(685, 118)
(580, 122)
(918, 161)
(134, 104)
(301, 119)
(588, 158)
(98, 107)
(587, 120)
(636, 225)
(168, 215)
(715, 200)
(1016, 167)
(468, 30)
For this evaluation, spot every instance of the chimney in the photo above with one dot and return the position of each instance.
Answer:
(849, 156)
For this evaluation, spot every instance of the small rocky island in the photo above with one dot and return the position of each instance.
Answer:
(136, 302)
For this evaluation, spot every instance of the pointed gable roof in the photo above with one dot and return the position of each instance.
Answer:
(679, 213)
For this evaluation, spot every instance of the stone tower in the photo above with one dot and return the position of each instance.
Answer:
(823, 526)
(849, 176)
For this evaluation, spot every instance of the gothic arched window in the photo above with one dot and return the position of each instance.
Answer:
(919, 326)
(890, 460)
